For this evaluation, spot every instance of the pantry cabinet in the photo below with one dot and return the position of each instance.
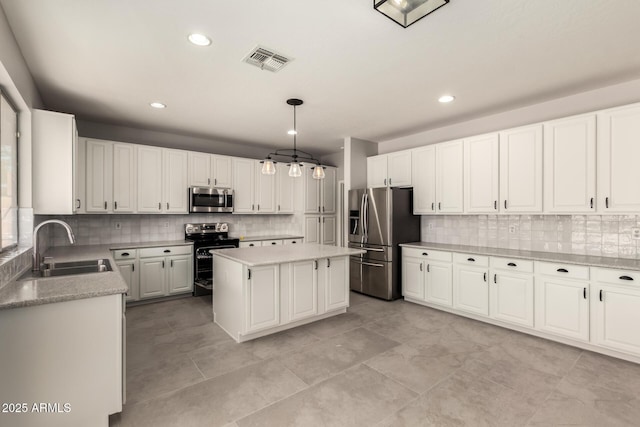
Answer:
(389, 170)
(570, 165)
(521, 169)
(618, 154)
(481, 174)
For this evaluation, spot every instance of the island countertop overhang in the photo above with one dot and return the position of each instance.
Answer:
(280, 254)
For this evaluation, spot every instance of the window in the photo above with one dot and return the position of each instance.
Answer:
(8, 173)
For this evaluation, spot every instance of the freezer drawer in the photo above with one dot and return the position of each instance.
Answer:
(371, 277)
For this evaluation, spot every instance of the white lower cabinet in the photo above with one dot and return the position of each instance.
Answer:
(471, 284)
(412, 277)
(152, 277)
(129, 273)
(336, 283)
(426, 276)
(438, 289)
(320, 229)
(511, 298)
(163, 270)
(179, 274)
(262, 302)
(303, 290)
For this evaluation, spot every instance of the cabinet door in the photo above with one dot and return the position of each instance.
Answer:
(312, 202)
(152, 277)
(618, 153)
(222, 171)
(124, 178)
(521, 169)
(570, 165)
(200, 169)
(150, 179)
(79, 173)
(511, 298)
(471, 289)
(312, 229)
(337, 283)
(99, 169)
(244, 182)
(412, 278)
(285, 190)
(180, 268)
(562, 307)
(449, 177)
(615, 313)
(129, 272)
(303, 292)
(175, 182)
(439, 286)
(328, 230)
(265, 191)
(399, 168)
(328, 193)
(377, 171)
(481, 174)
(262, 304)
(423, 171)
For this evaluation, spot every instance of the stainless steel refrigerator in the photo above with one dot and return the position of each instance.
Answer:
(380, 219)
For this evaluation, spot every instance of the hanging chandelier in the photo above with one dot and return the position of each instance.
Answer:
(293, 157)
(406, 12)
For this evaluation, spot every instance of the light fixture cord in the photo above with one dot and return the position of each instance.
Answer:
(295, 131)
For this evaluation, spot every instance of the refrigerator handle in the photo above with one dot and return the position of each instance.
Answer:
(366, 217)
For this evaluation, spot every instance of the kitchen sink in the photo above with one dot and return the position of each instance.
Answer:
(69, 269)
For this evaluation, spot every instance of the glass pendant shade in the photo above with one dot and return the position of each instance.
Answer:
(268, 167)
(406, 12)
(318, 172)
(295, 170)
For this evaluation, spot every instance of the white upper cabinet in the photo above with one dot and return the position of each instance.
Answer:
(150, 179)
(244, 179)
(99, 164)
(319, 194)
(175, 198)
(618, 154)
(265, 191)
(311, 191)
(521, 169)
(424, 180)
(449, 177)
(481, 174)
(284, 190)
(124, 178)
(389, 170)
(570, 165)
(199, 169)
(328, 191)
(222, 171)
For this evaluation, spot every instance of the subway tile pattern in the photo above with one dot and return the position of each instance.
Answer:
(606, 235)
(101, 229)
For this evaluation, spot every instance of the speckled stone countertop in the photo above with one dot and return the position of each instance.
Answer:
(592, 261)
(267, 255)
(273, 237)
(48, 290)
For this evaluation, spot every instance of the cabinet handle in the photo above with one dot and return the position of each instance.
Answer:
(420, 266)
(105, 206)
(167, 205)
(293, 242)
(495, 278)
(318, 220)
(606, 202)
(425, 254)
(79, 203)
(389, 182)
(562, 270)
(258, 206)
(385, 181)
(252, 206)
(626, 278)
(318, 208)
(249, 274)
(167, 251)
(471, 260)
(171, 263)
(323, 220)
(328, 263)
(512, 264)
(505, 203)
(428, 269)
(485, 276)
(584, 293)
(278, 208)
(273, 243)
(251, 244)
(600, 294)
(439, 206)
(124, 254)
(323, 209)
(133, 268)
(433, 206)
(162, 264)
(495, 205)
(591, 203)
(215, 181)
(208, 181)
(159, 206)
(315, 264)
(115, 206)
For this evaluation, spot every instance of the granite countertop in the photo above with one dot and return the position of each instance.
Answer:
(266, 255)
(592, 261)
(47, 290)
(272, 237)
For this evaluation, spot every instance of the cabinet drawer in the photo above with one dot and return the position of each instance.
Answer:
(471, 259)
(616, 277)
(125, 254)
(271, 242)
(520, 265)
(568, 271)
(292, 241)
(165, 251)
(249, 244)
(427, 254)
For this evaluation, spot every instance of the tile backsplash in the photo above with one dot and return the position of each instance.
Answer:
(101, 229)
(597, 235)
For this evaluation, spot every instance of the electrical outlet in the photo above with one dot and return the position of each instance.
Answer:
(166, 225)
(430, 226)
(512, 229)
(635, 233)
(118, 226)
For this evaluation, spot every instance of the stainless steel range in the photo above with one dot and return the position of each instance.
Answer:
(205, 237)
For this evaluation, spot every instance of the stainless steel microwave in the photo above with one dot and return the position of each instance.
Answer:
(207, 199)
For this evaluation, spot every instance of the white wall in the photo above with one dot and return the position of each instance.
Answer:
(356, 152)
(606, 97)
(337, 160)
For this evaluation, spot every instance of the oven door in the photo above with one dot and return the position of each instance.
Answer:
(203, 274)
(205, 199)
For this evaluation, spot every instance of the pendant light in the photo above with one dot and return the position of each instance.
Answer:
(293, 157)
(406, 12)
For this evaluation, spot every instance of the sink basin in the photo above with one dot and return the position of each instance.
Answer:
(70, 268)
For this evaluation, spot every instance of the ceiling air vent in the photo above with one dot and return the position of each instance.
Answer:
(266, 59)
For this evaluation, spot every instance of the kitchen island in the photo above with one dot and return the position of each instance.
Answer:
(262, 290)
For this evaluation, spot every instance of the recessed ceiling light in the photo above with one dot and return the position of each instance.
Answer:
(199, 39)
(292, 132)
(446, 98)
(158, 105)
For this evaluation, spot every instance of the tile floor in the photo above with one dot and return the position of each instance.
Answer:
(380, 364)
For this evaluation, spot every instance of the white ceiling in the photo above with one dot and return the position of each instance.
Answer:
(359, 73)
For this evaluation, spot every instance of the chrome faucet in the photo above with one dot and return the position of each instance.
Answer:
(36, 253)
